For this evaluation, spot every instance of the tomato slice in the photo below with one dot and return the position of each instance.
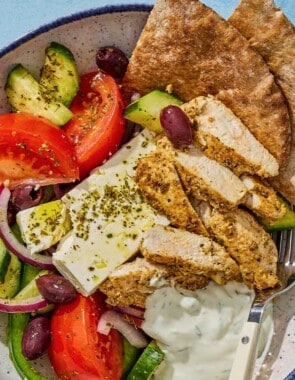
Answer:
(97, 127)
(77, 350)
(33, 150)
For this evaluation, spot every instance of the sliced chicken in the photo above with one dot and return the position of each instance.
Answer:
(205, 178)
(223, 137)
(247, 243)
(132, 282)
(192, 253)
(262, 199)
(160, 185)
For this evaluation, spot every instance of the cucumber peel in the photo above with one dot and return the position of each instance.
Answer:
(4, 261)
(147, 363)
(287, 222)
(16, 325)
(130, 355)
(146, 110)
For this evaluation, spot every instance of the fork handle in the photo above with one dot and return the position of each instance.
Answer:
(243, 365)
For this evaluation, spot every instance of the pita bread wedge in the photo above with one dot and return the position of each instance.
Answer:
(187, 45)
(273, 36)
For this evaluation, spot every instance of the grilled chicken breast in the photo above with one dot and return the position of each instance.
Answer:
(192, 253)
(132, 282)
(223, 137)
(247, 243)
(160, 186)
(205, 178)
(262, 199)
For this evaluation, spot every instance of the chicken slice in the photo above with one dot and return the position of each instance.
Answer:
(262, 199)
(223, 137)
(132, 282)
(204, 178)
(192, 253)
(247, 243)
(160, 185)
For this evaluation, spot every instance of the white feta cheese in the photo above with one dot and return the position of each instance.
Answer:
(44, 225)
(108, 218)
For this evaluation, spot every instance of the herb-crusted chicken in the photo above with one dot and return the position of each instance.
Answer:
(192, 253)
(204, 178)
(160, 185)
(223, 137)
(139, 278)
(247, 243)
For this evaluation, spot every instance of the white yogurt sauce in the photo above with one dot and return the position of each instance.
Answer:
(198, 331)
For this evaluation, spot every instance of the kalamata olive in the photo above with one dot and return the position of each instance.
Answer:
(36, 338)
(112, 61)
(56, 289)
(25, 196)
(176, 126)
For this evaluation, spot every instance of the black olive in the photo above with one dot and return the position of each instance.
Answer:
(112, 61)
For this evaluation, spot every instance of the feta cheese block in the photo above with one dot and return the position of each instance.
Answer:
(44, 225)
(108, 218)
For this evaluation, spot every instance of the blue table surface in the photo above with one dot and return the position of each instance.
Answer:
(19, 17)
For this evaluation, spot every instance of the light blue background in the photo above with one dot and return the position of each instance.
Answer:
(19, 17)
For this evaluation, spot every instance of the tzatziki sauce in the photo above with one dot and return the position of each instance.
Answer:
(198, 331)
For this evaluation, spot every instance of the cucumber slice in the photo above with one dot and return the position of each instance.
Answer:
(12, 279)
(147, 363)
(287, 222)
(130, 355)
(4, 261)
(146, 110)
(29, 273)
(16, 325)
(59, 81)
(30, 288)
(24, 95)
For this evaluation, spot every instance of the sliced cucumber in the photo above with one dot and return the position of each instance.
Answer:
(287, 222)
(59, 81)
(4, 261)
(147, 363)
(29, 273)
(12, 278)
(16, 325)
(31, 290)
(130, 355)
(146, 110)
(24, 94)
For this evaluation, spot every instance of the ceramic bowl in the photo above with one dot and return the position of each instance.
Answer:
(83, 33)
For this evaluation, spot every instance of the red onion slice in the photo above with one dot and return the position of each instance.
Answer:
(112, 319)
(12, 243)
(22, 306)
(133, 311)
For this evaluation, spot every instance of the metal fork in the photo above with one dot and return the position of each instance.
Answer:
(243, 365)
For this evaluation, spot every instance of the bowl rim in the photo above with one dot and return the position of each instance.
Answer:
(133, 7)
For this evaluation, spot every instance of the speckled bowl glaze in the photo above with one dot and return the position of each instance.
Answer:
(83, 33)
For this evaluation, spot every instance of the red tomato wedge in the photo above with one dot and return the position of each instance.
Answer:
(97, 127)
(77, 350)
(33, 150)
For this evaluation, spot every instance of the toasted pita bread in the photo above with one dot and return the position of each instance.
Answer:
(189, 46)
(273, 36)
